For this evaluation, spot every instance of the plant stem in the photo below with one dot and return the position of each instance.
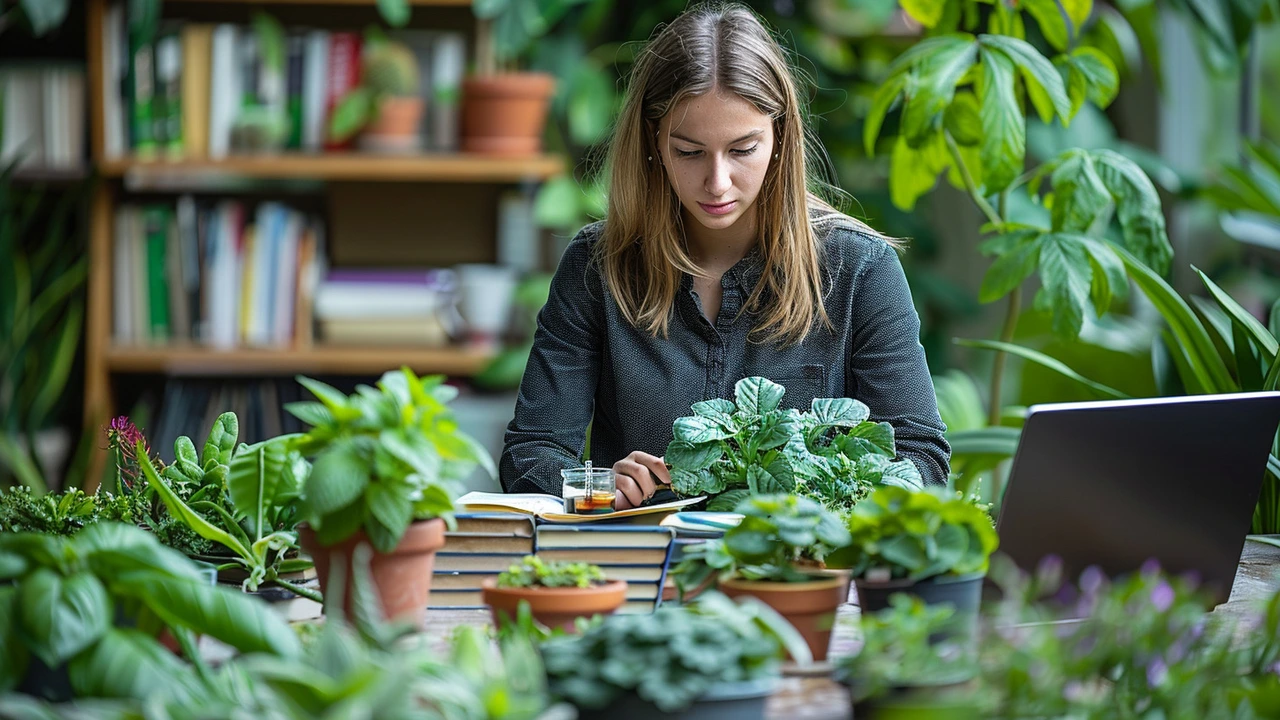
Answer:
(970, 185)
(997, 368)
(307, 593)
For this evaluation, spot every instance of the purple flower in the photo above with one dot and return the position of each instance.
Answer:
(1049, 571)
(1162, 596)
(1157, 671)
(1150, 567)
(1275, 668)
(1092, 580)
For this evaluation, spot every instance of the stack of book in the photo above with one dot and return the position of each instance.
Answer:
(223, 275)
(483, 546)
(42, 115)
(200, 90)
(386, 307)
(638, 554)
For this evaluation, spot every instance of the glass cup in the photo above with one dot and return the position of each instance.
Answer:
(589, 490)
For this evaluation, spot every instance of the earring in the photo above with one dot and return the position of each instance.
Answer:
(650, 158)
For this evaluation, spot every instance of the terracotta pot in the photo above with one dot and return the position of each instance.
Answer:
(398, 118)
(402, 576)
(554, 607)
(809, 606)
(505, 114)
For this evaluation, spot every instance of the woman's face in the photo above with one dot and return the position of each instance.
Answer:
(716, 149)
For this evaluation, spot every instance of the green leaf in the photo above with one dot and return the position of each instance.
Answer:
(253, 480)
(757, 396)
(996, 440)
(1067, 275)
(935, 85)
(395, 12)
(914, 171)
(110, 549)
(222, 440)
(693, 457)
(45, 15)
(728, 501)
(1206, 366)
(237, 619)
(1004, 142)
(310, 412)
(881, 101)
(839, 412)
(962, 120)
(182, 512)
(591, 104)
(1037, 72)
(1010, 269)
(1052, 24)
(762, 482)
(132, 664)
(868, 438)
(902, 473)
(1078, 12)
(1079, 195)
(355, 110)
(696, 430)
(392, 507)
(338, 476)
(1099, 73)
(60, 616)
(1242, 318)
(925, 12)
(1045, 361)
(13, 653)
(1109, 279)
(1137, 208)
(559, 203)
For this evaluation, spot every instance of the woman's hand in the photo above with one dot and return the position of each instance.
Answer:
(638, 477)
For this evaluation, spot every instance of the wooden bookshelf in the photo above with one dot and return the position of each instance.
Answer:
(341, 166)
(197, 360)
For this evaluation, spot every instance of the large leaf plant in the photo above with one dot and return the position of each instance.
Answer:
(383, 457)
(832, 452)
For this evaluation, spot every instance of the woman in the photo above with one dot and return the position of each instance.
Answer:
(714, 263)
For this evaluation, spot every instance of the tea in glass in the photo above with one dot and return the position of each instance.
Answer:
(589, 490)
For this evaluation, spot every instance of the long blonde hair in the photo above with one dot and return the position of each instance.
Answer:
(642, 250)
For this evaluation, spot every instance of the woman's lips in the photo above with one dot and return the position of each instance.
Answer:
(720, 209)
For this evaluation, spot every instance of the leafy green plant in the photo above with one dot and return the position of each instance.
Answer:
(781, 538)
(243, 500)
(389, 70)
(532, 571)
(905, 646)
(751, 446)
(507, 28)
(672, 657)
(64, 514)
(384, 457)
(62, 596)
(916, 534)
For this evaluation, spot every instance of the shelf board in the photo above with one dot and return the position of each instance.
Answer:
(339, 166)
(416, 3)
(60, 175)
(334, 360)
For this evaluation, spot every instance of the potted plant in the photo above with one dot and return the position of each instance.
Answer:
(774, 554)
(753, 446)
(710, 659)
(932, 544)
(558, 593)
(232, 505)
(387, 467)
(901, 659)
(387, 105)
(504, 112)
(81, 615)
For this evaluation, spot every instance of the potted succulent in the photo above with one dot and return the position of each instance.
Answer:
(751, 445)
(387, 467)
(387, 105)
(558, 592)
(82, 615)
(710, 659)
(901, 660)
(774, 554)
(505, 112)
(232, 505)
(931, 543)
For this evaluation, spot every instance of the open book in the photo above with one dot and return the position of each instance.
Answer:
(551, 508)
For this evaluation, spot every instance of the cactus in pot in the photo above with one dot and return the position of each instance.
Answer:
(387, 105)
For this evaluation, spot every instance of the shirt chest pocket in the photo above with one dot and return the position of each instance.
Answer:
(803, 384)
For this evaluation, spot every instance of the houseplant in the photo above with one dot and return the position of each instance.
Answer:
(774, 555)
(386, 108)
(712, 658)
(240, 500)
(80, 615)
(558, 593)
(387, 464)
(931, 543)
(504, 112)
(832, 452)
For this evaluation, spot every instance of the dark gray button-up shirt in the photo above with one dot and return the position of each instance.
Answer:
(589, 362)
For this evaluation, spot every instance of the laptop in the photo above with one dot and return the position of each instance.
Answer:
(1115, 483)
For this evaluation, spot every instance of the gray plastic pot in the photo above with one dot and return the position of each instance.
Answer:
(726, 701)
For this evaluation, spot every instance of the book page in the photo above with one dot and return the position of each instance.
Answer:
(527, 503)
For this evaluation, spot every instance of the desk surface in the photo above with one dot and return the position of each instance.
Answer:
(813, 698)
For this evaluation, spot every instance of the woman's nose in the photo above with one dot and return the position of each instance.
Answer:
(718, 180)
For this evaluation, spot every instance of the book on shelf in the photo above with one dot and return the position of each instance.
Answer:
(475, 562)
(198, 90)
(550, 508)
(42, 114)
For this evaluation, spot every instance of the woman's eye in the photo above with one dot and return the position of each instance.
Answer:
(687, 153)
(745, 151)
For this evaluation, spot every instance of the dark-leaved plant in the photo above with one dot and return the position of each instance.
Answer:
(752, 446)
(532, 571)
